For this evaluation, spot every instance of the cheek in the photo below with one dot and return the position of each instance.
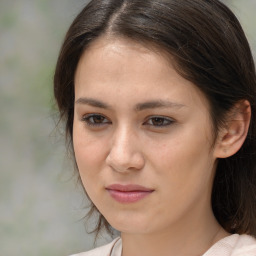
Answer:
(89, 153)
(90, 157)
(184, 172)
(184, 160)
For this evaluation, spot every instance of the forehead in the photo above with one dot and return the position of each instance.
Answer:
(107, 50)
(110, 50)
(124, 68)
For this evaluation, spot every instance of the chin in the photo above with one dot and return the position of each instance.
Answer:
(131, 224)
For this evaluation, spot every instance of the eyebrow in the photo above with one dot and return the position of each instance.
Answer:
(93, 103)
(138, 107)
(157, 104)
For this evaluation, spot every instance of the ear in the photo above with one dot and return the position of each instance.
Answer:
(231, 137)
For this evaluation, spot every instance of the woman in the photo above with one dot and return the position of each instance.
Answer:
(158, 98)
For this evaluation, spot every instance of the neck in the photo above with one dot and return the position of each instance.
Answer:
(191, 237)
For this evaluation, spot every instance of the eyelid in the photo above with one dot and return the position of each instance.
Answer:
(164, 120)
(86, 118)
(169, 120)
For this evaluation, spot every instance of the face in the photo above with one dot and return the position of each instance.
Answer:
(142, 138)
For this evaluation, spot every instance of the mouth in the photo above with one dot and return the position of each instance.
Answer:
(128, 193)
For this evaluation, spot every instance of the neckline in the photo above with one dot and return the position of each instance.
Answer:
(230, 240)
(116, 249)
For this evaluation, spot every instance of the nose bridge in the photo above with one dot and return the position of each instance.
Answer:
(123, 138)
(125, 152)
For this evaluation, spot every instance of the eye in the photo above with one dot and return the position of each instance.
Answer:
(159, 121)
(95, 120)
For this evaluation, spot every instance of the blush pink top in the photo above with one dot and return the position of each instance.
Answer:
(233, 245)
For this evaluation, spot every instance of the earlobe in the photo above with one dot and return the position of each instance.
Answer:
(232, 136)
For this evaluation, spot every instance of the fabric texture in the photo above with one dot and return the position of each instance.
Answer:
(233, 245)
(112, 249)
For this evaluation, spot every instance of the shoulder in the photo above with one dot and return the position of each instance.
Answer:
(245, 246)
(235, 245)
(100, 251)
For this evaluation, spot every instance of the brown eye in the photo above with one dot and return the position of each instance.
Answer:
(159, 121)
(95, 120)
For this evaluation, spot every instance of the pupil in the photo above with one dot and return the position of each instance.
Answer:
(98, 119)
(158, 121)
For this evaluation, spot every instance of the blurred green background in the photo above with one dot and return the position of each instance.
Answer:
(41, 205)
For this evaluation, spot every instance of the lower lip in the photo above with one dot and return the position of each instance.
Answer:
(128, 196)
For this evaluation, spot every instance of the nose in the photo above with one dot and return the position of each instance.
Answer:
(125, 153)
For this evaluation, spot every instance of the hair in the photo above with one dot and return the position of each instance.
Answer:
(210, 49)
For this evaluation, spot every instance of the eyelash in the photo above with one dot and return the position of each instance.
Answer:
(86, 119)
(90, 121)
(166, 121)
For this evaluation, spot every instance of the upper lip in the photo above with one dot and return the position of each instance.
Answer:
(128, 187)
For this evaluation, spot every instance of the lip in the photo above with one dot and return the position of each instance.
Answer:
(130, 193)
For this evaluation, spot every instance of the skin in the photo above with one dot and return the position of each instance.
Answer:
(171, 154)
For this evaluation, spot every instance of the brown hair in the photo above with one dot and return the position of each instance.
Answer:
(210, 50)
